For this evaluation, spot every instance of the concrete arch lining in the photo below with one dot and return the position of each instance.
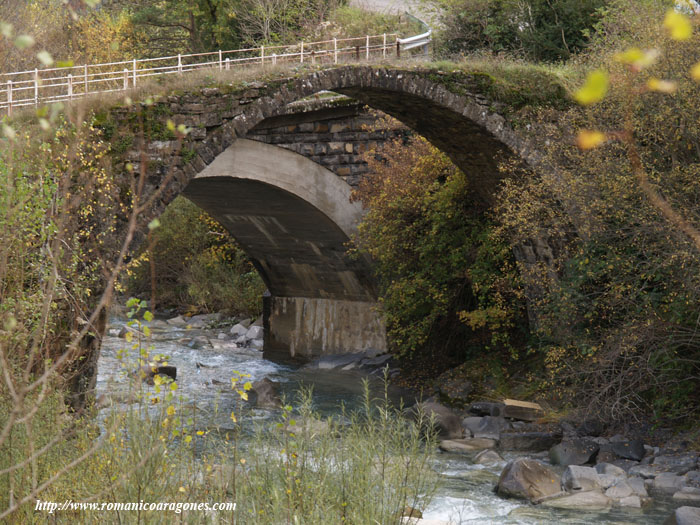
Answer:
(294, 173)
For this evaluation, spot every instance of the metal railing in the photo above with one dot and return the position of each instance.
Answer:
(39, 86)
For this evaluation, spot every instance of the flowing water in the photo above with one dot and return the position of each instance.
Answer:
(204, 377)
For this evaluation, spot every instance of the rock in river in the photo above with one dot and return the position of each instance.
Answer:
(528, 479)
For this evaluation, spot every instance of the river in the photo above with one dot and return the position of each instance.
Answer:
(466, 494)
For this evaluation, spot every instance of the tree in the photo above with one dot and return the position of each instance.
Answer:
(194, 26)
(540, 29)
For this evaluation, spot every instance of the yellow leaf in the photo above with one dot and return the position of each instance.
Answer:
(173, 386)
(200, 432)
(182, 489)
(233, 417)
(129, 337)
(662, 86)
(588, 139)
(695, 72)
(170, 410)
(678, 25)
(638, 58)
(188, 439)
(595, 88)
(248, 385)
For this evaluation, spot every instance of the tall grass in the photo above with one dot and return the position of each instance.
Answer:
(359, 467)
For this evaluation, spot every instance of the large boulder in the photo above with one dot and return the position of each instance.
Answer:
(591, 499)
(622, 489)
(522, 410)
(254, 332)
(638, 486)
(679, 464)
(471, 425)
(633, 449)
(487, 457)
(577, 478)
(148, 372)
(574, 452)
(201, 320)
(692, 478)
(684, 516)
(178, 321)
(490, 427)
(688, 496)
(610, 474)
(527, 479)
(238, 330)
(633, 501)
(265, 394)
(447, 424)
(667, 483)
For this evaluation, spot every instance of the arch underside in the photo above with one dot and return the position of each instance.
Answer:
(293, 217)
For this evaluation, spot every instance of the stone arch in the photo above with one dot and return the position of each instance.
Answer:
(455, 117)
(461, 122)
(295, 218)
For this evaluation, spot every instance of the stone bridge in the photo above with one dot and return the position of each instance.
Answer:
(278, 175)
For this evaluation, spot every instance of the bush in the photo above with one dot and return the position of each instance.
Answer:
(434, 255)
(617, 315)
(364, 467)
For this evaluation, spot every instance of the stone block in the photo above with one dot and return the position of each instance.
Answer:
(522, 410)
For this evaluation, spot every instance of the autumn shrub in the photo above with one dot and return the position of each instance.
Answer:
(435, 257)
(536, 29)
(195, 262)
(617, 321)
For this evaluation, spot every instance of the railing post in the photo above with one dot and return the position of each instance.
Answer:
(70, 86)
(221, 62)
(85, 74)
(262, 55)
(36, 86)
(384, 46)
(228, 63)
(9, 97)
(301, 54)
(398, 48)
(367, 49)
(313, 57)
(335, 50)
(357, 53)
(274, 59)
(126, 79)
(133, 67)
(179, 63)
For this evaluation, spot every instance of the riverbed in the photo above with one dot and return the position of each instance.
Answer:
(204, 371)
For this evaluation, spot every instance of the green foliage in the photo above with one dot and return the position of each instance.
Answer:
(618, 304)
(196, 263)
(433, 253)
(546, 30)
